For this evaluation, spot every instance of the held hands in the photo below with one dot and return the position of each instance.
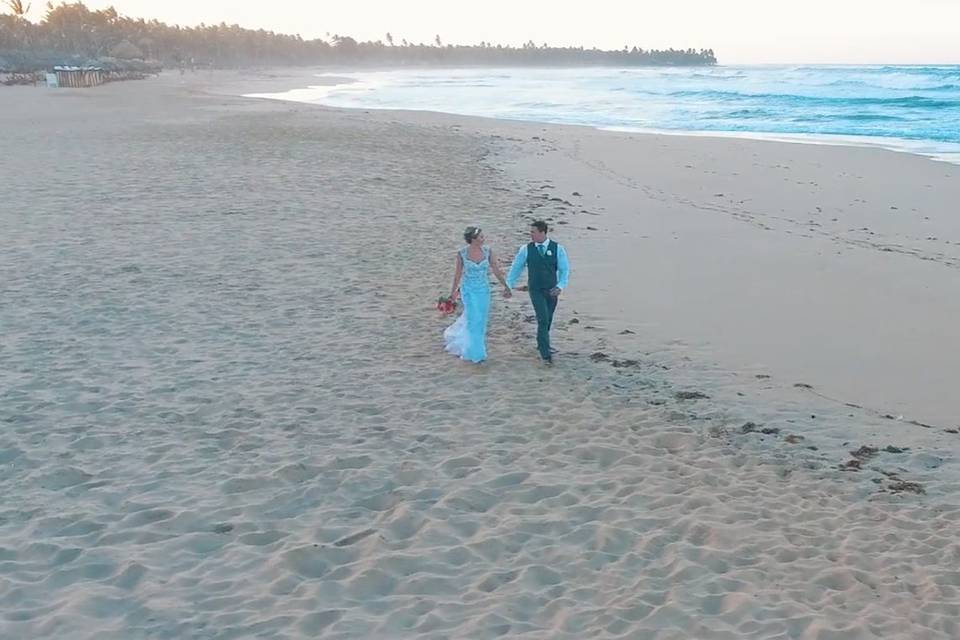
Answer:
(507, 293)
(555, 292)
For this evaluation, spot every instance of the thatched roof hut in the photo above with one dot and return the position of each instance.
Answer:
(77, 77)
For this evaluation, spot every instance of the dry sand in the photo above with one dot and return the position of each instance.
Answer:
(226, 411)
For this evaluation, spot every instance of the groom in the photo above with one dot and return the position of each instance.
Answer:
(548, 271)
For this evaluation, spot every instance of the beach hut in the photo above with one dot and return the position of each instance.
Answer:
(78, 77)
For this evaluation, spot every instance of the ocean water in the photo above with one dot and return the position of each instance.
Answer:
(907, 108)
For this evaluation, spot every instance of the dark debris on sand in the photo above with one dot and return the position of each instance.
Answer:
(896, 484)
(600, 356)
(902, 486)
(858, 457)
(753, 427)
(354, 538)
(690, 395)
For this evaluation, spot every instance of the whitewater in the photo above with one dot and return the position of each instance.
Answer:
(906, 108)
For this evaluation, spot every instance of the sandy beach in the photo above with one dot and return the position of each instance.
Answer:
(227, 413)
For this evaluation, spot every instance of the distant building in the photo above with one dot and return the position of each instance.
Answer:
(78, 77)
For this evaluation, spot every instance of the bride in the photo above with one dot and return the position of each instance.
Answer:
(467, 337)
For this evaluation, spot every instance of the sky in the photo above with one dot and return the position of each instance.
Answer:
(739, 31)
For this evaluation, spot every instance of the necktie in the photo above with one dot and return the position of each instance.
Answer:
(542, 249)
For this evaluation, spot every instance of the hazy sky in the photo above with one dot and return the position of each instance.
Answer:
(739, 31)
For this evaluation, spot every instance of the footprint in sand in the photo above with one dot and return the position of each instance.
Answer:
(471, 500)
(313, 623)
(539, 576)
(603, 456)
(370, 584)
(674, 442)
(64, 478)
(352, 462)
(496, 580)
(508, 480)
(538, 493)
(147, 516)
(460, 467)
(262, 538)
(307, 562)
(130, 577)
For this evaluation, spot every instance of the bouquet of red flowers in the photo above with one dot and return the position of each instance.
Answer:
(446, 305)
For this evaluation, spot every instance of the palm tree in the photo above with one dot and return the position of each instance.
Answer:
(16, 6)
(389, 39)
(19, 19)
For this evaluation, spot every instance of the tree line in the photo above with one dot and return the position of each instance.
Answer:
(71, 33)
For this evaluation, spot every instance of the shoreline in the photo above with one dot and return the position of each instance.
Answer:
(896, 145)
(949, 153)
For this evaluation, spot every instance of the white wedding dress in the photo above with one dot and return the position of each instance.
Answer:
(467, 337)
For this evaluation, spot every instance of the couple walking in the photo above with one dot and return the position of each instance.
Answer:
(548, 271)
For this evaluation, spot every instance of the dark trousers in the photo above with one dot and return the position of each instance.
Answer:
(544, 305)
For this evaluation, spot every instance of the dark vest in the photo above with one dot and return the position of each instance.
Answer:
(542, 270)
